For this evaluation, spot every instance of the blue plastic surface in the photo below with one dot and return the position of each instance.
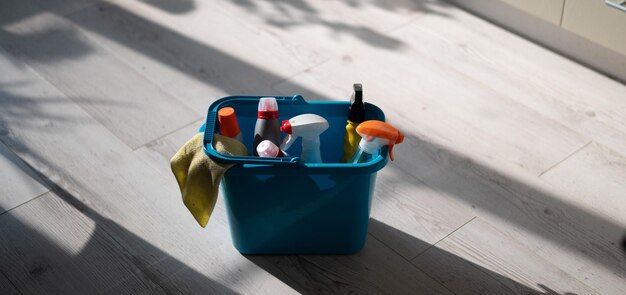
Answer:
(283, 206)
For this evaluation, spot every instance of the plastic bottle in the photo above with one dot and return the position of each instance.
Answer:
(374, 135)
(356, 115)
(228, 123)
(268, 149)
(267, 124)
(309, 127)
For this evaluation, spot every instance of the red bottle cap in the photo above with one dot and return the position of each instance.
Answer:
(286, 127)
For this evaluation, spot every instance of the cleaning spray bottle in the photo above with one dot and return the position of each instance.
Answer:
(309, 127)
(228, 123)
(267, 125)
(356, 115)
(374, 135)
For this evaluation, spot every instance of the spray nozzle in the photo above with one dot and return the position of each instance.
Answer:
(286, 128)
(309, 127)
(376, 134)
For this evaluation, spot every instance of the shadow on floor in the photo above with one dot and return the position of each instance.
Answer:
(388, 274)
(113, 261)
(592, 236)
(288, 14)
(191, 61)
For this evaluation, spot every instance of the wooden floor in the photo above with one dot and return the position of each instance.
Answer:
(511, 179)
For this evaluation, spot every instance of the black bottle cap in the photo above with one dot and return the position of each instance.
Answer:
(357, 108)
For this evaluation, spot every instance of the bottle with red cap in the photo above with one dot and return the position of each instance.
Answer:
(267, 125)
(228, 123)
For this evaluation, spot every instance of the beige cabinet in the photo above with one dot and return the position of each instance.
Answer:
(549, 10)
(591, 19)
(588, 31)
(597, 22)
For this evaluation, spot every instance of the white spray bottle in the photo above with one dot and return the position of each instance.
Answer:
(309, 127)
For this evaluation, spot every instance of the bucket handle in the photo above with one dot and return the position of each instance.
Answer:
(209, 130)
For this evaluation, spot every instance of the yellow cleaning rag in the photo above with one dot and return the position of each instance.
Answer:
(199, 177)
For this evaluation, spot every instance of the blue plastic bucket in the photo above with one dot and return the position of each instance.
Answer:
(283, 206)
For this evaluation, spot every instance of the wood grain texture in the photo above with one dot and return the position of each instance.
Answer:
(6, 286)
(18, 184)
(556, 88)
(199, 56)
(130, 106)
(462, 276)
(445, 106)
(479, 131)
(596, 178)
(335, 25)
(571, 45)
(374, 270)
(50, 246)
(542, 217)
(408, 205)
(138, 206)
(481, 169)
(513, 265)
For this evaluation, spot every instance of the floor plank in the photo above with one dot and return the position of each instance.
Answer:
(594, 178)
(499, 256)
(375, 269)
(131, 107)
(142, 209)
(197, 57)
(336, 25)
(454, 272)
(445, 106)
(18, 184)
(552, 85)
(27, 9)
(541, 215)
(446, 151)
(73, 245)
(484, 112)
(408, 205)
(6, 286)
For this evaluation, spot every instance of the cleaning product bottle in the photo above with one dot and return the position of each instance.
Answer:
(268, 149)
(267, 125)
(356, 115)
(374, 135)
(228, 123)
(309, 127)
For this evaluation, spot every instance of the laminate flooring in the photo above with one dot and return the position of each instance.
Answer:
(511, 179)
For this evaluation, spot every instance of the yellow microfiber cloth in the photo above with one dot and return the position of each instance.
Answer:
(199, 177)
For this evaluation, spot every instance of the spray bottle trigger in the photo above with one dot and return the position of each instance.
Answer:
(390, 151)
